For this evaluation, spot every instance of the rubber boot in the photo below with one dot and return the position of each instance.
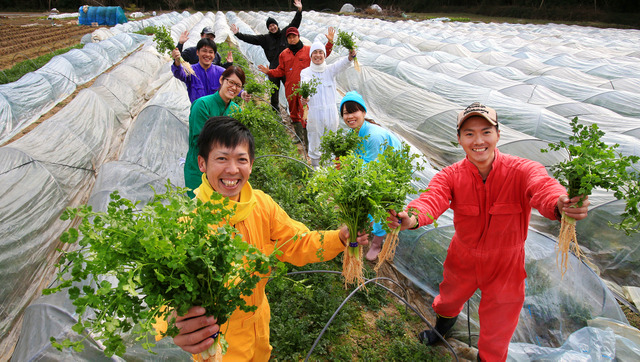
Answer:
(315, 163)
(374, 247)
(297, 127)
(443, 326)
(305, 139)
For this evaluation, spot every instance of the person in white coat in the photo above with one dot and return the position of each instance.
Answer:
(323, 113)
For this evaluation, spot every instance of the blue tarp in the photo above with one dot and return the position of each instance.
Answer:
(103, 15)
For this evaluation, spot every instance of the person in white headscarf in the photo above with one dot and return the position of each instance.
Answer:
(323, 113)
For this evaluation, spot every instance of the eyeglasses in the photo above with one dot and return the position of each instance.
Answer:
(233, 84)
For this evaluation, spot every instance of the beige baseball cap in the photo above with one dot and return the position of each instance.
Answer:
(478, 109)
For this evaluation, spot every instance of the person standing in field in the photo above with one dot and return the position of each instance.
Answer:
(292, 61)
(226, 153)
(375, 139)
(190, 54)
(491, 195)
(206, 79)
(203, 108)
(273, 43)
(322, 115)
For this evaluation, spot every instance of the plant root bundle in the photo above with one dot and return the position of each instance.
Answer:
(187, 67)
(356, 64)
(388, 248)
(567, 240)
(352, 266)
(214, 353)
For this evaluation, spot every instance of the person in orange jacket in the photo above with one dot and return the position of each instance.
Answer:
(291, 62)
(226, 155)
(491, 195)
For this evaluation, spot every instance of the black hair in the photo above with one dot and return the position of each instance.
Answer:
(234, 69)
(351, 107)
(206, 42)
(227, 132)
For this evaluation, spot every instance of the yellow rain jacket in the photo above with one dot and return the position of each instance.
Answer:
(262, 223)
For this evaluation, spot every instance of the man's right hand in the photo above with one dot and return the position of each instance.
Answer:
(184, 37)
(298, 4)
(234, 28)
(195, 331)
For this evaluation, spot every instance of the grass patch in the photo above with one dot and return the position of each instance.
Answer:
(27, 66)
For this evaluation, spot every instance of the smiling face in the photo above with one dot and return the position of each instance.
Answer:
(205, 56)
(479, 138)
(293, 39)
(230, 87)
(273, 28)
(353, 120)
(317, 57)
(227, 169)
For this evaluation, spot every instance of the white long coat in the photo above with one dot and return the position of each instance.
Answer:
(323, 106)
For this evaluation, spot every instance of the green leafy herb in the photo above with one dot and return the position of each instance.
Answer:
(338, 144)
(346, 40)
(164, 42)
(592, 163)
(139, 265)
(306, 89)
(358, 190)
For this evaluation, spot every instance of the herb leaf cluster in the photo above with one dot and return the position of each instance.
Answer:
(307, 89)
(174, 252)
(592, 163)
(338, 143)
(346, 40)
(164, 42)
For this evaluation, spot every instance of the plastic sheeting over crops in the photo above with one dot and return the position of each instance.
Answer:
(415, 77)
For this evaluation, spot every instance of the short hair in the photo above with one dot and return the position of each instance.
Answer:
(351, 107)
(227, 132)
(234, 69)
(206, 42)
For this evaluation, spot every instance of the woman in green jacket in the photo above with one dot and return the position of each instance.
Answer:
(218, 104)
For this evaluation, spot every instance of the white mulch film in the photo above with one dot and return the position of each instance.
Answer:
(128, 131)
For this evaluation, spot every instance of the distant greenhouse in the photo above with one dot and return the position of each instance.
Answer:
(101, 15)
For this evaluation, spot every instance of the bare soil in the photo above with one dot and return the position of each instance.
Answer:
(26, 36)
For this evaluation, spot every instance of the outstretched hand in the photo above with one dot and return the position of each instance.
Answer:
(263, 69)
(195, 330)
(401, 219)
(570, 206)
(298, 4)
(230, 57)
(362, 239)
(234, 28)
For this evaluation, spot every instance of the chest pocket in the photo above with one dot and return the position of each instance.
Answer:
(505, 209)
(467, 210)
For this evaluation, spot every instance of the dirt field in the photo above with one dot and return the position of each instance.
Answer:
(27, 36)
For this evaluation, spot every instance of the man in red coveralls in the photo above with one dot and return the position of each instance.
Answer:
(491, 195)
(291, 62)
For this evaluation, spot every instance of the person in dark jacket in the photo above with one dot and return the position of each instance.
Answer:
(190, 54)
(273, 43)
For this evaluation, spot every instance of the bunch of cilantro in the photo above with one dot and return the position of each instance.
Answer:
(592, 163)
(307, 89)
(358, 190)
(172, 254)
(337, 144)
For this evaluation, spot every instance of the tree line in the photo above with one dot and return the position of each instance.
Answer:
(611, 11)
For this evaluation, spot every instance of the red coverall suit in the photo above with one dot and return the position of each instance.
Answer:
(491, 221)
(290, 67)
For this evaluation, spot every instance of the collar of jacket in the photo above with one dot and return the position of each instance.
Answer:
(243, 207)
(295, 47)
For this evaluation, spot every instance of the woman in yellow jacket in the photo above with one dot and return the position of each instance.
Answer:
(226, 155)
